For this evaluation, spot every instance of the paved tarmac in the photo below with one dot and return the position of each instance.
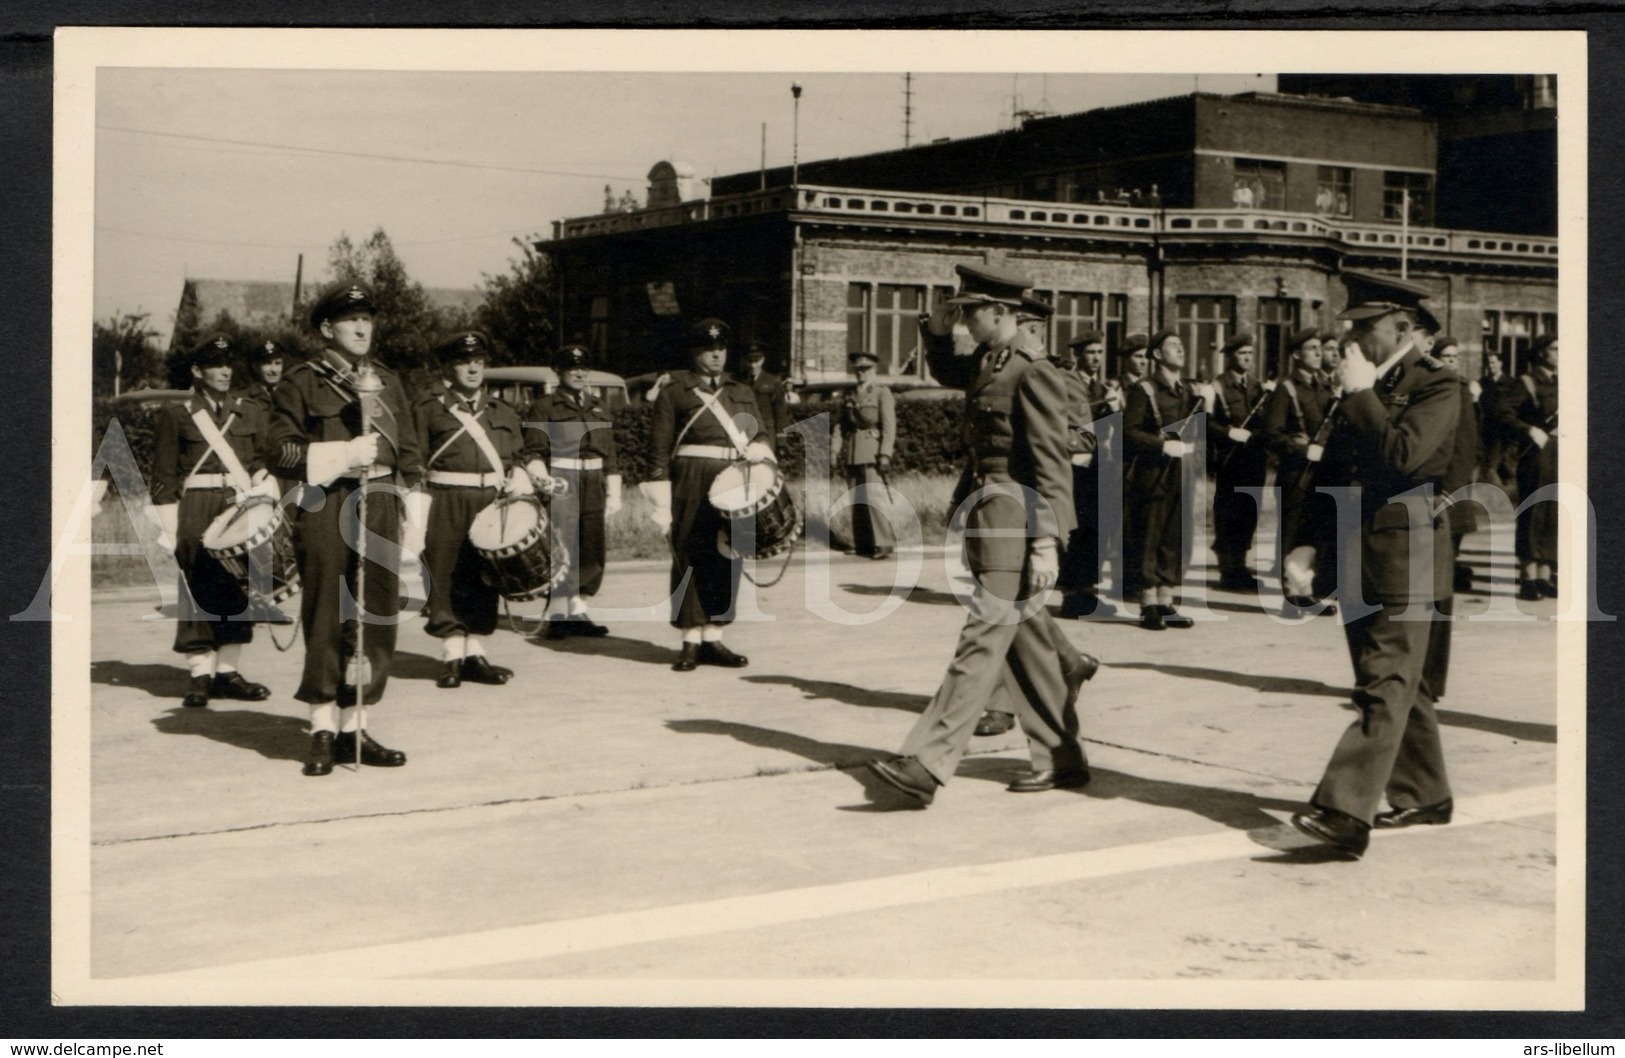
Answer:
(603, 819)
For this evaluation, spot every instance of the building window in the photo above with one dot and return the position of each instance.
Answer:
(1414, 189)
(1259, 184)
(598, 333)
(1204, 323)
(1277, 319)
(1334, 191)
(1074, 314)
(897, 325)
(1116, 320)
(1508, 334)
(857, 317)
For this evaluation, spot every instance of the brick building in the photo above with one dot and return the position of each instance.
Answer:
(1211, 214)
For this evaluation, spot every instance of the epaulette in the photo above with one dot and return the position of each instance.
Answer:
(1427, 361)
(1035, 357)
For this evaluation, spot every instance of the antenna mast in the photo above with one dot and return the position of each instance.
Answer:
(908, 108)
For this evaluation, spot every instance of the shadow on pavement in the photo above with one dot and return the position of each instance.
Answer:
(847, 759)
(914, 594)
(160, 681)
(271, 736)
(846, 692)
(1219, 606)
(1265, 684)
(610, 647)
(409, 665)
(1517, 730)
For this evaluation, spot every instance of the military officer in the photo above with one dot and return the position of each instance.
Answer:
(1331, 355)
(1295, 428)
(1466, 452)
(568, 436)
(1240, 461)
(205, 459)
(1402, 409)
(266, 364)
(1154, 545)
(471, 440)
(865, 437)
(316, 437)
(703, 420)
(772, 395)
(1133, 361)
(1016, 434)
(1089, 400)
(1528, 413)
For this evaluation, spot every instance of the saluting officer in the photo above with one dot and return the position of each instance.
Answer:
(1088, 400)
(1295, 429)
(1528, 414)
(316, 436)
(471, 440)
(1401, 408)
(1020, 474)
(703, 420)
(1239, 462)
(1154, 544)
(568, 435)
(205, 459)
(865, 437)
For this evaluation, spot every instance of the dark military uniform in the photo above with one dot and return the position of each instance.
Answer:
(315, 404)
(690, 447)
(1236, 466)
(1293, 421)
(1403, 431)
(578, 447)
(1087, 401)
(461, 483)
(186, 471)
(1154, 544)
(867, 432)
(770, 398)
(1015, 435)
(1530, 400)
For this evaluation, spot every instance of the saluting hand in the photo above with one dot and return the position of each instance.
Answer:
(941, 320)
(1356, 372)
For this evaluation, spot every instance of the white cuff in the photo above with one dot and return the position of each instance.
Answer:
(417, 503)
(169, 519)
(326, 461)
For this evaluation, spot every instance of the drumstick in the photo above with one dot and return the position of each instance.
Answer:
(367, 386)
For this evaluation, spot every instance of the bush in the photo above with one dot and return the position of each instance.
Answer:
(135, 419)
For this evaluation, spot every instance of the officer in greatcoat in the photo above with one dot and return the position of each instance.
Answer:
(865, 437)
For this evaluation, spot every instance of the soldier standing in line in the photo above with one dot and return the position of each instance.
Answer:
(1019, 474)
(1402, 410)
(569, 436)
(865, 437)
(472, 440)
(703, 421)
(316, 436)
(1240, 462)
(1133, 362)
(1154, 545)
(1528, 414)
(1089, 400)
(204, 461)
(1295, 429)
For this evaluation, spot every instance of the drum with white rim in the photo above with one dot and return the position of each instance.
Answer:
(254, 542)
(514, 536)
(755, 491)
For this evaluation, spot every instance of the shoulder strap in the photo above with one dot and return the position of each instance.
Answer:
(1151, 394)
(221, 448)
(713, 402)
(1297, 409)
(482, 440)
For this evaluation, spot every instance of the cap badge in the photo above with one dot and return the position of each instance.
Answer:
(470, 340)
(221, 343)
(714, 331)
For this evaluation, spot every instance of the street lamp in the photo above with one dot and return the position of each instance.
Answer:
(795, 135)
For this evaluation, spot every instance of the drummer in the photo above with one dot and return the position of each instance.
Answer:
(471, 439)
(205, 461)
(567, 434)
(703, 421)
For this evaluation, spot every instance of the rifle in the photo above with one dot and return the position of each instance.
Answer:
(1224, 461)
(1317, 447)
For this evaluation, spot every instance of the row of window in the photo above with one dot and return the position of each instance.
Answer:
(1261, 184)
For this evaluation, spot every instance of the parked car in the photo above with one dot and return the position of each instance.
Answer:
(150, 399)
(908, 389)
(520, 385)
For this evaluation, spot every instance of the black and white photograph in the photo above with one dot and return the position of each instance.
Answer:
(743, 518)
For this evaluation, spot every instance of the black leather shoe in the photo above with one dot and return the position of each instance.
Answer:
(1340, 831)
(1151, 618)
(319, 761)
(1079, 604)
(1547, 587)
(1174, 619)
(558, 628)
(994, 722)
(197, 693)
(479, 670)
(1058, 779)
(1237, 580)
(1463, 579)
(907, 775)
(717, 654)
(1434, 815)
(451, 677)
(689, 659)
(232, 685)
(1078, 675)
(883, 553)
(1529, 591)
(373, 754)
(586, 626)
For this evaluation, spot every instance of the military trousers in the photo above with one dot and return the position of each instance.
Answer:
(988, 655)
(460, 601)
(871, 530)
(1535, 538)
(213, 603)
(1080, 563)
(1392, 749)
(578, 519)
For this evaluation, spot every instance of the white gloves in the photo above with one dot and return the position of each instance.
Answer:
(1298, 571)
(759, 452)
(1356, 372)
(1175, 449)
(169, 520)
(261, 485)
(612, 495)
(1238, 435)
(659, 494)
(1083, 459)
(539, 475)
(1539, 436)
(1315, 453)
(519, 483)
(1203, 390)
(1475, 389)
(363, 450)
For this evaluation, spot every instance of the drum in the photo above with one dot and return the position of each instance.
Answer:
(756, 491)
(249, 540)
(515, 538)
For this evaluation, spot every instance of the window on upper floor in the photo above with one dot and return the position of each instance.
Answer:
(1407, 190)
(1334, 191)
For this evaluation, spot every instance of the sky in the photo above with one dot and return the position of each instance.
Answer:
(233, 173)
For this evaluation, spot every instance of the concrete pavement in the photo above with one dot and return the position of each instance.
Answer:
(602, 818)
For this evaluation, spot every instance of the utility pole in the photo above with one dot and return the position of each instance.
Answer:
(908, 108)
(795, 136)
(762, 186)
(298, 281)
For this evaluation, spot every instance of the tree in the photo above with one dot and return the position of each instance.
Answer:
(519, 308)
(122, 349)
(408, 324)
